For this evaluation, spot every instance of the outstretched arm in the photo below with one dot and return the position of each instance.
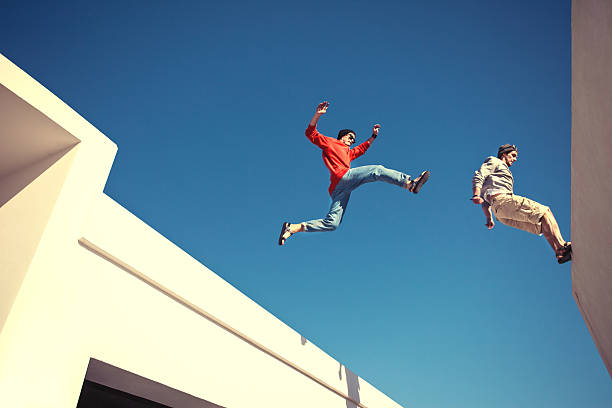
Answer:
(311, 131)
(361, 149)
(321, 110)
(375, 130)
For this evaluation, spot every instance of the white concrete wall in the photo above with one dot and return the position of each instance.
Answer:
(73, 304)
(29, 197)
(592, 168)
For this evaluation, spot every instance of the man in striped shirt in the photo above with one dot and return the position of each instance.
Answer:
(492, 187)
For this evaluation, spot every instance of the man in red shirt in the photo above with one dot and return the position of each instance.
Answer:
(337, 156)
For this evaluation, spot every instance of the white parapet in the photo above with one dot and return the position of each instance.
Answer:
(89, 291)
(592, 168)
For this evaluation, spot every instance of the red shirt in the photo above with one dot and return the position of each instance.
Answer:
(336, 155)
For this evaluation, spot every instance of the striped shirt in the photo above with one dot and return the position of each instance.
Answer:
(493, 177)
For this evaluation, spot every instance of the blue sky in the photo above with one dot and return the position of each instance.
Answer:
(208, 103)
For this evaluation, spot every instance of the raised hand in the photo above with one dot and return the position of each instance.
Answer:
(322, 108)
(375, 130)
(490, 224)
(477, 200)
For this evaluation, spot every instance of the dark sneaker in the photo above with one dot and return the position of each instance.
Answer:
(418, 182)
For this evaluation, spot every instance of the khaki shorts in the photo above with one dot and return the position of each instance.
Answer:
(519, 212)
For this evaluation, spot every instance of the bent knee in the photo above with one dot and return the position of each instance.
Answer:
(378, 170)
(332, 224)
(548, 215)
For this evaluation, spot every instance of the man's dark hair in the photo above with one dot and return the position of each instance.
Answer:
(503, 149)
(345, 132)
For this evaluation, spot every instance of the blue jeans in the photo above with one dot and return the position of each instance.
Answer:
(341, 194)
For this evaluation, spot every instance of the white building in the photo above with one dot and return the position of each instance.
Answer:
(90, 292)
(592, 169)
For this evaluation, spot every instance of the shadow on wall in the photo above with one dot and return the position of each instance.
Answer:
(27, 198)
(352, 382)
(13, 183)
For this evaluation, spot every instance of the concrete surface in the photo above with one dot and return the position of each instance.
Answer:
(592, 168)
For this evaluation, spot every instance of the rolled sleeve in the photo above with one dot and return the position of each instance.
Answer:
(481, 174)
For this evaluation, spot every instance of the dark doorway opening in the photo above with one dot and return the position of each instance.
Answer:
(106, 385)
(94, 395)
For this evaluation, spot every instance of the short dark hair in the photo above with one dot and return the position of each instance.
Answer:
(503, 149)
(345, 132)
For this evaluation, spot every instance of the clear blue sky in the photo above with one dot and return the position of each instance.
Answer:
(208, 102)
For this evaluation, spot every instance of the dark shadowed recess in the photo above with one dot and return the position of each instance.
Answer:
(95, 395)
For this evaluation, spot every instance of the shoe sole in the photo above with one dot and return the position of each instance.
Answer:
(567, 256)
(283, 230)
(422, 180)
